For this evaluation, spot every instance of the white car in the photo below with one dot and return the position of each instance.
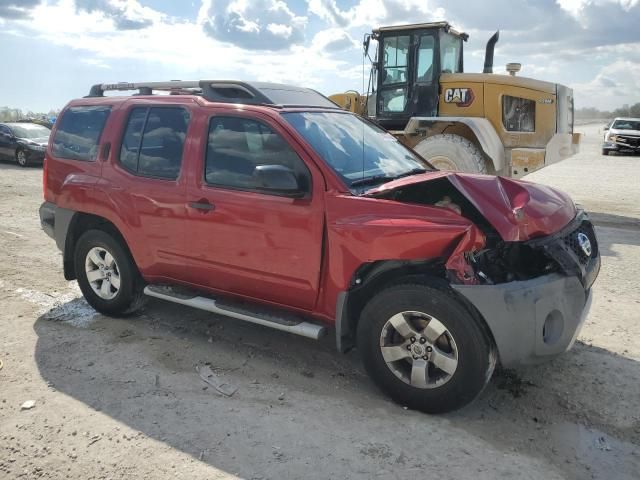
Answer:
(622, 135)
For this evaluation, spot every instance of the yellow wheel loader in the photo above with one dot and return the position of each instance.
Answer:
(472, 122)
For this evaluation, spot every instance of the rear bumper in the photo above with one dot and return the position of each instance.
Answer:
(562, 146)
(48, 218)
(531, 320)
(55, 221)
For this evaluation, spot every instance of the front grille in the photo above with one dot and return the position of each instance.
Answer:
(627, 140)
(572, 241)
(566, 249)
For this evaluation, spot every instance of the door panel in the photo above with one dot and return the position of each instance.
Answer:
(253, 244)
(149, 191)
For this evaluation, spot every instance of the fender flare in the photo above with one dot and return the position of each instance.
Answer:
(482, 128)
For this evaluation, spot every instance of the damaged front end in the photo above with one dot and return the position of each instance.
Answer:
(528, 265)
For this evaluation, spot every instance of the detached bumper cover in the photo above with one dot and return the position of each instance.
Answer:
(534, 319)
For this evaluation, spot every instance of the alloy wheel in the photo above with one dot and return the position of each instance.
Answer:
(419, 349)
(102, 273)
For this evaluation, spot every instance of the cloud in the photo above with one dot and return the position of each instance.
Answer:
(374, 13)
(614, 85)
(333, 40)
(125, 14)
(255, 24)
(16, 9)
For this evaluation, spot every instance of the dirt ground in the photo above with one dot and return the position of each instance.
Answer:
(118, 398)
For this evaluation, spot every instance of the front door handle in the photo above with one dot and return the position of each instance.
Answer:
(203, 205)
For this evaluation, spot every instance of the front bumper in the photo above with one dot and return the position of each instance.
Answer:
(619, 147)
(531, 320)
(539, 318)
(35, 156)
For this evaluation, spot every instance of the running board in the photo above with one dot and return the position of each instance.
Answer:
(269, 318)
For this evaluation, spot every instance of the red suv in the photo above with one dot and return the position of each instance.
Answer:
(269, 204)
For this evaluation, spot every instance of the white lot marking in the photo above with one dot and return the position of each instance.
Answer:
(13, 233)
(68, 307)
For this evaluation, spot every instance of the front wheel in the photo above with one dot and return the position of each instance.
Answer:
(605, 152)
(452, 152)
(423, 348)
(106, 274)
(21, 158)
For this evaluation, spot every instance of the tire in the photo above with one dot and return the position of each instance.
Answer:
(452, 152)
(21, 158)
(605, 152)
(465, 341)
(124, 298)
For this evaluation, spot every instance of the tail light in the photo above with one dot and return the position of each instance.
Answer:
(45, 172)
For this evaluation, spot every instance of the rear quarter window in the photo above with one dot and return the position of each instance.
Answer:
(78, 133)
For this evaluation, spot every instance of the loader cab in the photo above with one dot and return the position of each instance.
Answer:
(405, 76)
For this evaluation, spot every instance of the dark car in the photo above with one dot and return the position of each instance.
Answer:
(23, 142)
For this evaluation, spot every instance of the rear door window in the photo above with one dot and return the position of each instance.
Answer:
(153, 141)
(78, 133)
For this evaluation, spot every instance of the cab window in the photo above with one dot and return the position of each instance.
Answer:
(396, 55)
(425, 59)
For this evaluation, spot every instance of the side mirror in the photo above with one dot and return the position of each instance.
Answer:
(277, 179)
(606, 127)
(365, 44)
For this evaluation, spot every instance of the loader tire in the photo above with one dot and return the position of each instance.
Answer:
(452, 152)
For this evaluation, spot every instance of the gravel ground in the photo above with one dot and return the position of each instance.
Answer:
(118, 398)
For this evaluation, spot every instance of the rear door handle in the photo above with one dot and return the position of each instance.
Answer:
(203, 205)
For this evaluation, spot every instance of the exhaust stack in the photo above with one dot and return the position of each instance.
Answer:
(488, 57)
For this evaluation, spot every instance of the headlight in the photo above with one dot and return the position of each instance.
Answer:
(612, 138)
(37, 148)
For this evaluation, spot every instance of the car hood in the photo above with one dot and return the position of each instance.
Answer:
(633, 133)
(41, 141)
(518, 210)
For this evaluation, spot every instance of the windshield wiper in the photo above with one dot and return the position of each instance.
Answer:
(372, 180)
(415, 171)
(385, 178)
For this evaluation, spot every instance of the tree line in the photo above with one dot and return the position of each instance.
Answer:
(8, 114)
(592, 113)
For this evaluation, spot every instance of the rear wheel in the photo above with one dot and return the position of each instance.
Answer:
(422, 348)
(106, 274)
(21, 158)
(452, 152)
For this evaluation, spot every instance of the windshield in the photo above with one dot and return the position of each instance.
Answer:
(30, 131)
(360, 152)
(626, 125)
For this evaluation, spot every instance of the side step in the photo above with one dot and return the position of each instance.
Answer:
(286, 322)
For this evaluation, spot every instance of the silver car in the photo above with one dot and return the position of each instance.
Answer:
(622, 135)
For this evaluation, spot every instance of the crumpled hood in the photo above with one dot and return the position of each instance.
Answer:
(517, 209)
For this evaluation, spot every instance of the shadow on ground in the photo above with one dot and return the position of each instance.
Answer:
(301, 406)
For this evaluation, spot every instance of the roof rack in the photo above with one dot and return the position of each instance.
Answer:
(226, 91)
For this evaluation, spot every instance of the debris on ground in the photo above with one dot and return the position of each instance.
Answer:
(28, 405)
(209, 377)
(602, 444)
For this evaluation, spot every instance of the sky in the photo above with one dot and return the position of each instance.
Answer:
(53, 50)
